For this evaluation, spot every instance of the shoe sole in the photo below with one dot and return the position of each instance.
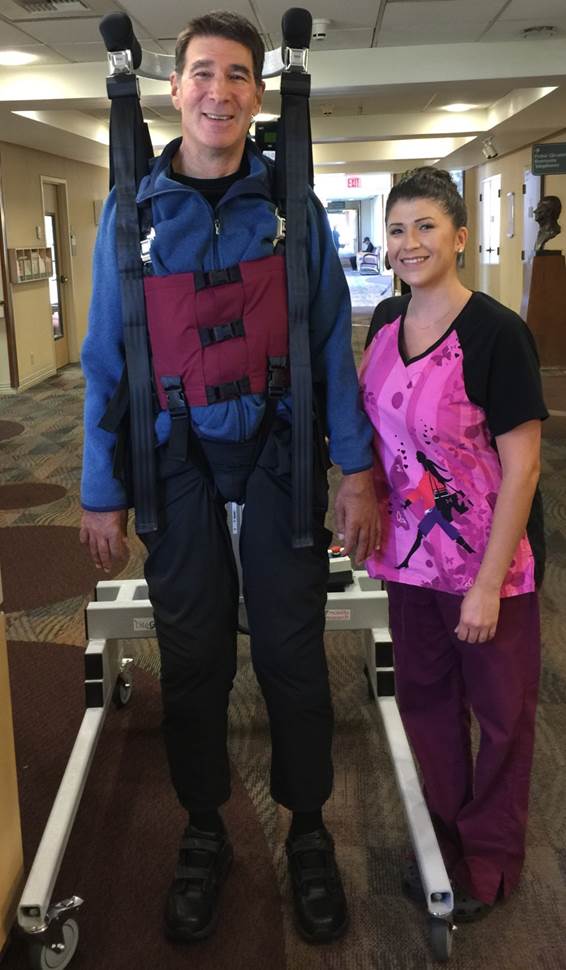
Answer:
(177, 935)
(315, 939)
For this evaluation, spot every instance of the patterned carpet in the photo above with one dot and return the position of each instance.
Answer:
(122, 848)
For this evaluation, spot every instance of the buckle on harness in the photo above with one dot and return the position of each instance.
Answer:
(217, 277)
(215, 393)
(277, 376)
(223, 331)
(176, 401)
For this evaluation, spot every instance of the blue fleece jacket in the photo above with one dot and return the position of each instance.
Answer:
(189, 236)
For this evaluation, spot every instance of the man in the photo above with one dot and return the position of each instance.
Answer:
(210, 197)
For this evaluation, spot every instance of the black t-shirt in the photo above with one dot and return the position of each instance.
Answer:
(214, 189)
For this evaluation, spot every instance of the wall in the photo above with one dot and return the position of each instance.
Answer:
(21, 170)
(468, 273)
(505, 281)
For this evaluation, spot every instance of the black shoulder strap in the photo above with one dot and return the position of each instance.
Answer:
(293, 170)
(130, 147)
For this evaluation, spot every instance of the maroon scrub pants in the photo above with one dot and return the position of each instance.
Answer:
(479, 811)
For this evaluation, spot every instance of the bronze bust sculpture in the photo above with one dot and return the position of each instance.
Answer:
(547, 214)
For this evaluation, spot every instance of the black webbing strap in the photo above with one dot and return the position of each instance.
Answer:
(127, 135)
(221, 332)
(217, 277)
(179, 411)
(294, 132)
(215, 393)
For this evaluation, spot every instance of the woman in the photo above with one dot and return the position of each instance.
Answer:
(451, 384)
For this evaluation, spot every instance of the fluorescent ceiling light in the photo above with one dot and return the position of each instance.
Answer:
(16, 58)
(458, 106)
(263, 116)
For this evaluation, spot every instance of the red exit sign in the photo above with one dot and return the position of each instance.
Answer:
(354, 182)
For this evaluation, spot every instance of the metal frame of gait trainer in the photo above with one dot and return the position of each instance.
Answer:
(122, 611)
(51, 931)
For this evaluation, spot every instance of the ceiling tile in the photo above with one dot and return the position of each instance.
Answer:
(357, 13)
(57, 32)
(347, 39)
(82, 53)
(12, 37)
(544, 9)
(410, 36)
(167, 19)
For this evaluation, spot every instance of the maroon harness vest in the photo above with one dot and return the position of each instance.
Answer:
(220, 334)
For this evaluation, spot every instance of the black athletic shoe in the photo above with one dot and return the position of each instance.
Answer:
(191, 910)
(320, 904)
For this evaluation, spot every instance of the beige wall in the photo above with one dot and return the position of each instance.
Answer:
(505, 282)
(22, 170)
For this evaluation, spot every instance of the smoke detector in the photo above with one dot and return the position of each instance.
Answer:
(538, 33)
(320, 29)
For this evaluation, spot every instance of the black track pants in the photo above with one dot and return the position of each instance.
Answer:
(192, 581)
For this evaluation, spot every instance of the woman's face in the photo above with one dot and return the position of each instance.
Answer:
(422, 242)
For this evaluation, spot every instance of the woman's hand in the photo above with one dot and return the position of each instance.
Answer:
(478, 615)
(105, 535)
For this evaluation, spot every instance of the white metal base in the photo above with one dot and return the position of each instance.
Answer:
(122, 611)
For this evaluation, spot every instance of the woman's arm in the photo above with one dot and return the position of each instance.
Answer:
(519, 453)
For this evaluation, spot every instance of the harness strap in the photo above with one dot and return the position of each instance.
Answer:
(217, 277)
(179, 411)
(220, 333)
(295, 134)
(215, 393)
(128, 140)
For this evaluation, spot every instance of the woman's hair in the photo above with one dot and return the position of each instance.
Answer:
(430, 183)
(222, 23)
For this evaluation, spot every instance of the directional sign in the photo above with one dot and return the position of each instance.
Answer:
(549, 159)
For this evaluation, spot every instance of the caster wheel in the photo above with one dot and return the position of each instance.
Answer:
(42, 957)
(441, 939)
(122, 692)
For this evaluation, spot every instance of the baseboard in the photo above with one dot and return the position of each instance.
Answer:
(36, 378)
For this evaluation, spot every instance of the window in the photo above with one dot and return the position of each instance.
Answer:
(51, 240)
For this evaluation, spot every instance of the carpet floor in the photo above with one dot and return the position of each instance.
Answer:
(123, 846)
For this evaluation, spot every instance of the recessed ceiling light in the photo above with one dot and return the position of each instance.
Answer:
(265, 116)
(16, 58)
(458, 106)
(539, 33)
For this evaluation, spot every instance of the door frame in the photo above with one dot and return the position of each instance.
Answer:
(8, 304)
(66, 267)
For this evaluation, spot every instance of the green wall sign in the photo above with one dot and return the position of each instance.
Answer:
(549, 159)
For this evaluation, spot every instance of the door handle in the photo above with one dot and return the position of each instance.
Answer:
(63, 279)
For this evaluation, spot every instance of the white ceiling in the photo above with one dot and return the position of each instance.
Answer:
(376, 109)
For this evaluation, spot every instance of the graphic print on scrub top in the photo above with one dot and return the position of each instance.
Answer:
(434, 448)
(441, 501)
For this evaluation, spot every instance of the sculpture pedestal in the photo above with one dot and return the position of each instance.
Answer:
(544, 305)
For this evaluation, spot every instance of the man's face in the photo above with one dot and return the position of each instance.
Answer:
(216, 94)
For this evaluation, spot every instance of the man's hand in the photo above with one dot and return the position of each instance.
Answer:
(105, 535)
(357, 517)
(479, 614)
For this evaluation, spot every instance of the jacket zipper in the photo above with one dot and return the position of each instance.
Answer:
(237, 401)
